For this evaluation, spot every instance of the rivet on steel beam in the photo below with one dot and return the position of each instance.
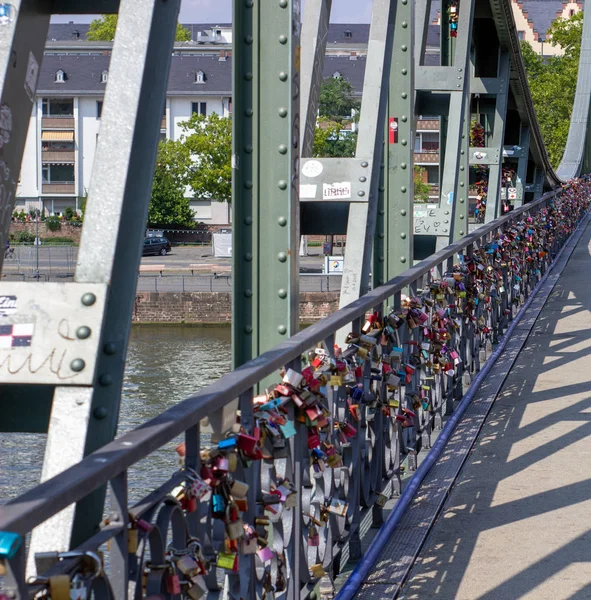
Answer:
(282, 184)
(404, 118)
(88, 299)
(248, 76)
(404, 24)
(403, 189)
(461, 216)
(446, 212)
(404, 71)
(404, 142)
(248, 112)
(77, 365)
(461, 232)
(404, 95)
(361, 193)
(282, 257)
(365, 164)
(248, 329)
(249, 3)
(105, 380)
(382, 188)
(381, 212)
(403, 235)
(83, 332)
(282, 221)
(282, 149)
(248, 185)
(248, 293)
(282, 293)
(403, 212)
(283, 3)
(248, 40)
(282, 112)
(248, 149)
(100, 412)
(110, 348)
(403, 259)
(363, 179)
(283, 76)
(248, 257)
(381, 235)
(461, 184)
(282, 329)
(404, 47)
(248, 220)
(283, 39)
(403, 165)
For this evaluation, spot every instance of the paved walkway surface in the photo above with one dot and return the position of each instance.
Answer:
(517, 523)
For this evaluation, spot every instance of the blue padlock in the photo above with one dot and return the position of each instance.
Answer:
(9, 544)
(227, 443)
(218, 504)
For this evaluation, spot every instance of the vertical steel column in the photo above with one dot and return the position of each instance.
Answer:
(522, 165)
(265, 175)
(362, 216)
(399, 149)
(314, 37)
(460, 208)
(495, 172)
(458, 105)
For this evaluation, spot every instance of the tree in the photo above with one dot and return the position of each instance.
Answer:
(553, 82)
(330, 141)
(336, 99)
(422, 189)
(208, 140)
(168, 203)
(103, 30)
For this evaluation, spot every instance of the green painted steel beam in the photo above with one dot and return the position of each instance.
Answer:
(265, 175)
(522, 165)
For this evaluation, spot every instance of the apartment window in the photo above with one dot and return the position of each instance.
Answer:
(53, 173)
(200, 77)
(99, 109)
(348, 34)
(45, 173)
(199, 107)
(521, 35)
(418, 144)
(51, 107)
(430, 142)
(104, 76)
(60, 76)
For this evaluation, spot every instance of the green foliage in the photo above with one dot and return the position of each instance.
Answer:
(53, 223)
(26, 237)
(421, 188)
(329, 141)
(103, 30)
(168, 204)
(69, 213)
(553, 81)
(336, 99)
(57, 241)
(208, 141)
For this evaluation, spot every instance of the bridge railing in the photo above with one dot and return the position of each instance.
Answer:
(282, 493)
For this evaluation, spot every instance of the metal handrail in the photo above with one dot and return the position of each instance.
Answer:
(111, 463)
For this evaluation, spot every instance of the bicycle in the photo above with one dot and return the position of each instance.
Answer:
(9, 254)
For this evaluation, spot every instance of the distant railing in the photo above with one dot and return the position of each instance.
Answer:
(279, 498)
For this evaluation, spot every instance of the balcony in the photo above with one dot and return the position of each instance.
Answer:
(58, 156)
(62, 187)
(427, 124)
(57, 122)
(431, 158)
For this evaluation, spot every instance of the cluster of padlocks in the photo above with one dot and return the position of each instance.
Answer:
(453, 11)
(405, 364)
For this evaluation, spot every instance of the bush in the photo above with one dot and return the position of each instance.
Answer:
(53, 223)
(69, 213)
(26, 237)
(57, 241)
(22, 216)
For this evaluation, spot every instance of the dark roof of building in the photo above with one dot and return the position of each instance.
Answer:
(62, 32)
(542, 13)
(351, 70)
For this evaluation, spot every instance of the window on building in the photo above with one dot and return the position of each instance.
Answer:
(76, 35)
(104, 76)
(336, 75)
(418, 145)
(60, 76)
(521, 35)
(99, 109)
(348, 34)
(53, 107)
(430, 142)
(199, 107)
(53, 173)
(45, 173)
(200, 77)
(571, 12)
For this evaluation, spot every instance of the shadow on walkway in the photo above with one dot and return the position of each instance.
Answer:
(518, 522)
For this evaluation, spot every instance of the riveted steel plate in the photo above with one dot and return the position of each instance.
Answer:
(335, 179)
(429, 219)
(484, 156)
(46, 329)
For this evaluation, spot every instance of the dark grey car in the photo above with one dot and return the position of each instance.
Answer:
(156, 245)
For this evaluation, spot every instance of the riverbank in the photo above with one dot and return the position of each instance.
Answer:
(215, 308)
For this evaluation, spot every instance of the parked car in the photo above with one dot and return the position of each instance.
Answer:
(156, 245)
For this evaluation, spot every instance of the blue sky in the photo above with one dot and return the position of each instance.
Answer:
(220, 11)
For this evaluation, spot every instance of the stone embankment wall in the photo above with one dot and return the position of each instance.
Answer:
(216, 307)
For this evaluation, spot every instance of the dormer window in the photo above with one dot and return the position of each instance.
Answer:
(76, 35)
(336, 75)
(104, 76)
(60, 77)
(200, 77)
(348, 34)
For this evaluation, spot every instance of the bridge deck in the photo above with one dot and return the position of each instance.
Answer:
(517, 523)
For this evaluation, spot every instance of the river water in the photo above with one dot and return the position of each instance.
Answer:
(164, 365)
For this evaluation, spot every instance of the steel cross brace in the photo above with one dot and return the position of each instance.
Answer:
(522, 164)
(266, 137)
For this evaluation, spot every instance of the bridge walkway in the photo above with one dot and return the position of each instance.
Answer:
(517, 523)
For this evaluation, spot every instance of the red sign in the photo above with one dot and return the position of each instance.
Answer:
(393, 130)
